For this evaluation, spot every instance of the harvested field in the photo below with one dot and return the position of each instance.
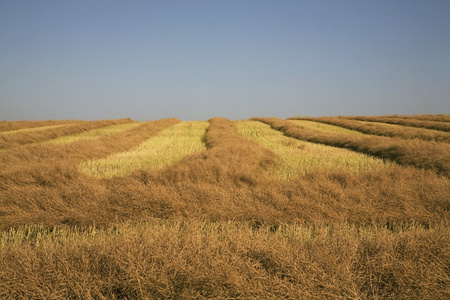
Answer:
(222, 209)
(19, 125)
(330, 128)
(34, 136)
(179, 260)
(299, 157)
(167, 147)
(422, 154)
(32, 129)
(95, 133)
(378, 128)
(437, 125)
(437, 118)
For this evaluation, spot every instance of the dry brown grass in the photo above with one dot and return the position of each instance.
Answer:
(167, 147)
(437, 118)
(215, 225)
(421, 123)
(422, 154)
(19, 125)
(383, 129)
(225, 260)
(26, 137)
(295, 157)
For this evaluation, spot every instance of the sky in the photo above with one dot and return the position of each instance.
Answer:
(194, 60)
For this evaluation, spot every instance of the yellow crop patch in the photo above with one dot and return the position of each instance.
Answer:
(94, 133)
(325, 127)
(33, 129)
(167, 147)
(297, 157)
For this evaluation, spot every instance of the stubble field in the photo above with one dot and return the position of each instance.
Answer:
(266, 208)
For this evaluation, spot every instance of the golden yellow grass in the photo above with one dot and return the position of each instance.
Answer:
(325, 127)
(378, 128)
(224, 260)
(443, 125)
(297, 157)
(20, 138)
(215, 226)
(167, 147)
(95, 133)
(438, 118)
(422, 154)
(17, 125)
(34, 129)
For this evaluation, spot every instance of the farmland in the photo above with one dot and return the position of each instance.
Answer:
(266, 208)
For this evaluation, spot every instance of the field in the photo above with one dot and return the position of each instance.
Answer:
(266, 208)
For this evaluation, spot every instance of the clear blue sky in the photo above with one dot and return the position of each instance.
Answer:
(237, 59)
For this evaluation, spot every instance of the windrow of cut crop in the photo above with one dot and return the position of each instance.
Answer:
(224, 260)
(22, 138)
(167, 147)
(95, 133)
(327, 128)
(230, 182)
(41, 184)
(296, 157)
(32, 129)
(215, 226)
(225, 182)
(442, 126)
(382, 129)
(422, 154)
(19, 125)
(45, 156)
(239, 156)
(424, 117)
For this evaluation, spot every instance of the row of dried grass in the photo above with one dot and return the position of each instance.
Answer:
(19, 125)
(381, 129)
(216, 226)
(325, 127)
(27, 137)
(38, 163)
(421, 123)
(94, 133)
(224, 260)
(167, 147)
(422, 154)
(42, 184)
(424, 117)
(297, 157)
(32, 129)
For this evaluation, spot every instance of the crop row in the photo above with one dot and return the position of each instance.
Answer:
(382, 129)
(421, 123)
(231, 179)
(165, 148)
(19, 125)
(296, 157)
(328, 131)
(430, 155)
(21, 137)
(218, 222)
(424, 117)
(224, 260)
